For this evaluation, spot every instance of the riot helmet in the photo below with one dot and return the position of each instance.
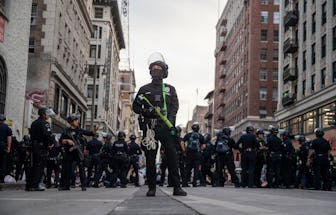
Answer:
(157, 59)
(121, 135)
(207, 137)
(72, 118)
(302, 138)
(2, 117)
(227, 131)
(195, 127)
(249, 129)
(260, 131)
(45, 111)
(319, 132)
(274, 129)
(132, 137)
(285, 133)
(107, 136)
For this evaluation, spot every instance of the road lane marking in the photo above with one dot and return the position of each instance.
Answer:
(61, 200)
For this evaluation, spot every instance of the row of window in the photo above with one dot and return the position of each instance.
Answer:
(264, 57)
(266, 2)
(263, 94)
(264, 35)
(265, 17)
(322, 117)
(263, 74)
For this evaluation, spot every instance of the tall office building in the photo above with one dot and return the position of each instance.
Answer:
(307, 89)
(246, 90)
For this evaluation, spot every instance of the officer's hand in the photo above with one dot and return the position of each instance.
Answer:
(71, 143)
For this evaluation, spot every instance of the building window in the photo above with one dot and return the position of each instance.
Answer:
(276, 2)
(263, 93)
(323, 46)
(262, 112)
(276, 36)
(56, 99)
(309, 122)
(324, 13)
(263, 35)
(304, 88)
(90, 91)
(275, 94)
(93, 50)
(99, 12)
(275, 75)
(304, 31)
(95, 111)
(304, 6)
(264, 17)
(276, 17)
(33, 16)
(263, 54)
(31, 48)
(304, 61)
(334, 71)
(264, 2)
(275, 55)
(334, 38)
(263, 74)
(323, 77)
(313, 54)
(313, 23)
(73, 107)
(91, 71)
(64, 106)
(313, 83)
(327, 115)
(97, 32)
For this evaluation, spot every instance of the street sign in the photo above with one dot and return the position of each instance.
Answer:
(2, 29)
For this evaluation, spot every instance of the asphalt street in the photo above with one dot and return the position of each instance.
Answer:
(200, 200)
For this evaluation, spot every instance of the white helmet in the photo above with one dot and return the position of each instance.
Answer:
(157, 59)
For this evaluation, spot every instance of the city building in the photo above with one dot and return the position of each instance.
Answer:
(103, 66)
(128, 119)
(307, 77)
(246, 70)
(209, 114)
(14, 38)
(198, 116)
(59, 47)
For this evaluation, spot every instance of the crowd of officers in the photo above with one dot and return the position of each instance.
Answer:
(265, 160)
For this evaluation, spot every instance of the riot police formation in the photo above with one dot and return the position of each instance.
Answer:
(94, 147)
(73, 141)
(41, 139)
(120, 161)
(224, 147)
(134, 153)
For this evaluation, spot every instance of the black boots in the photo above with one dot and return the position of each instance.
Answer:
(151, 192)
(179, 192)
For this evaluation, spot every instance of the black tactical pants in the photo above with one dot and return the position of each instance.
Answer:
(321, 171)
(120, 168)
(221, 161)
(274, 168)
(94, 162)
(35, 174)
(134, 162)
(162, 134)
(248, 166)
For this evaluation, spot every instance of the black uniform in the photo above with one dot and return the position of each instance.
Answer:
(274, 144)
(21, 156)
(207, 163)
(120, 162)
(224, 156)
(262, 158)
(287, 161)
(5, 132)
(73, 154)
(153, 92)
(248, 145)
(193, 160)
(181, 161)
(134, 153)
(41, 138)
(106, 163)
(94, 147)
(304, 175)
(321, 163)
(53, 164)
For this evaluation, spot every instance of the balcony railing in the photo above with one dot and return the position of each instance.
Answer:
(290, 46)
(288, 99)
(291, 18)
(290, 74)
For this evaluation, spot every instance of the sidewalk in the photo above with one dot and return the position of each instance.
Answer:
(160, 204)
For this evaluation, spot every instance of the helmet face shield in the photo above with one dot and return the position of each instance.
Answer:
(157, 59)
(50, 112)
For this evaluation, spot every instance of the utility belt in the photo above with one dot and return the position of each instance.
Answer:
(120, 153)
(248, 150)
(53, 159)
(322, 155)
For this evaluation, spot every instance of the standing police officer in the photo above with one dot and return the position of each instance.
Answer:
(287, 157)
(248, 145)
(106, 156)
(195, 141)
(163, 96)
(134, 153)
(94, 147)
(206, 164)
(262, 157)
(274, 144)
(224, 157)
(120, 160)
(303, 173)
(5, 146)
(73, 141)
(322, 150)
(41, 138)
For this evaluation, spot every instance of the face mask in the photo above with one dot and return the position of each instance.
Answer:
(156, 74)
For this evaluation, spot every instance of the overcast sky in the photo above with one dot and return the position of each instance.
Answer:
(184, 32)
